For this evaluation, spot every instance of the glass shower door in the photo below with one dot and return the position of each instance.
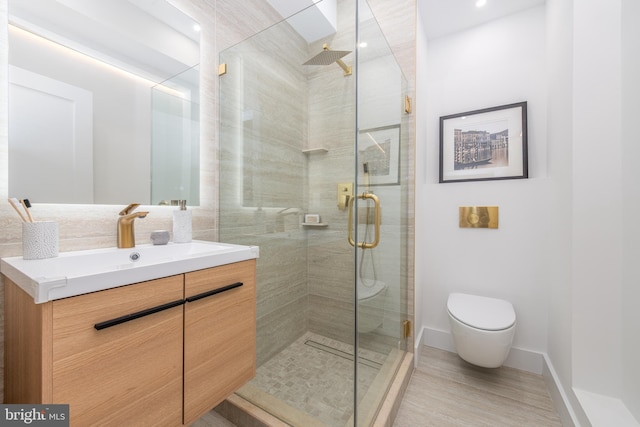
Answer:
(381, 202)
(293, 136)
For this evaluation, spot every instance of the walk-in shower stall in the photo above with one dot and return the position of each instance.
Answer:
(314, 168)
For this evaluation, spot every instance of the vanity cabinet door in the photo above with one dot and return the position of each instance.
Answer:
(128, 373)
(219, 335)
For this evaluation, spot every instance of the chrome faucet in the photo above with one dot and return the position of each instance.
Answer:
(126, 236)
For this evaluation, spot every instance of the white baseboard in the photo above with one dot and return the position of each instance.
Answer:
(519, 358)
(558, 395)
(439, 339)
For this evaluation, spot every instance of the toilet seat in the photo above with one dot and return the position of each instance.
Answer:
(489, 314)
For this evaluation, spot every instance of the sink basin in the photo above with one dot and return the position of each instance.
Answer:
(80, 272)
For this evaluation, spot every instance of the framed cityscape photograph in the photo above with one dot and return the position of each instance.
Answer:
(484, 144)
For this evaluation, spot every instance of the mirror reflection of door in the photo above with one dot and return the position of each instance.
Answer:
(51, 150)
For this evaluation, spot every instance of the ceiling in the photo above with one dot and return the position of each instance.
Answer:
(445, 17)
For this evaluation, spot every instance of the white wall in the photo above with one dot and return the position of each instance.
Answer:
(560, 167)
(499, 63)
(605, 277)
(597, 197)
(605, 323)
(631, 205)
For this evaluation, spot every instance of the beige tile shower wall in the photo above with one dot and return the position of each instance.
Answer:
(332, 114)
(263, 175)
(224, 23)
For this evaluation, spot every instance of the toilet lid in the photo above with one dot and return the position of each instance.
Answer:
(489, 314)
(369, 290)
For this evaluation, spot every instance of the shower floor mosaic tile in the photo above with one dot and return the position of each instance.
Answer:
(315, 375)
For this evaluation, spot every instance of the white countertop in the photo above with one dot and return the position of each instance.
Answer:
(80, 272)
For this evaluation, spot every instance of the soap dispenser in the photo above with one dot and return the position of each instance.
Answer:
(182, 224)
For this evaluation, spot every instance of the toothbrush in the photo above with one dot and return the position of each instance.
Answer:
(26, 204)
(14, 203)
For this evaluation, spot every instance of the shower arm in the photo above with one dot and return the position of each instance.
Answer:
(347, 70)
(376, 241)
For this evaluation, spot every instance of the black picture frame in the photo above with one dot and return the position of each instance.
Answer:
(483, 145)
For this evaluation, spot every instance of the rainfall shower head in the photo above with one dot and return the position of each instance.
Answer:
(328, 56)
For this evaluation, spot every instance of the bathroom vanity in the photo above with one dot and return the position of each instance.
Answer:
(160, 351)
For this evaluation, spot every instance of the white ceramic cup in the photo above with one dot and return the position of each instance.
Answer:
(39, 240)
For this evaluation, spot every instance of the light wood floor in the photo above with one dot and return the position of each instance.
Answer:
(446, 391)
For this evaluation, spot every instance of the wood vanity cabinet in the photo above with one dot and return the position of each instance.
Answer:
(219, 335)
(125, 372)
(156, 353)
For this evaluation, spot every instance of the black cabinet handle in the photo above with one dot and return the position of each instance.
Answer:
(153, 310)
(214, 292)
(137, 315)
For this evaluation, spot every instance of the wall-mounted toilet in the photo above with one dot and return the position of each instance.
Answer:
(482, 328)
(371, 305)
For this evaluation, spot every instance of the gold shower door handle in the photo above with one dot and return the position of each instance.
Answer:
(376, 201)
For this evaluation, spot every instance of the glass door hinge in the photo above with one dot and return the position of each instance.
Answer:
(406, 325)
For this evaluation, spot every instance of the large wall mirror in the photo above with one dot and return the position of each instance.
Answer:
(103, 102)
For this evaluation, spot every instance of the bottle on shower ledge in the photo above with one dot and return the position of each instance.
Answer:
(182, 224)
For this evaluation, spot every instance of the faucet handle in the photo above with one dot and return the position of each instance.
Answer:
(129, 209)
